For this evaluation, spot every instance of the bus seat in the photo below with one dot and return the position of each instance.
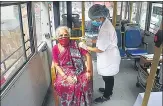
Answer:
(136, 52)
(53, 78)
(119, 37)
(122, 53)
(133, 41)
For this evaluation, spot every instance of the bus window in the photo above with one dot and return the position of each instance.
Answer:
(63, 12)
(15, 47)
(156, 17)
(89, 27)
(26, 28)
(143, 15)
(123, 10)
(134, 12)
(37, 10)
(76, 14)
(118, 18)
(76, 19)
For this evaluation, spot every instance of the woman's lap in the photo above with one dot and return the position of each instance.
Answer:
(70, 91)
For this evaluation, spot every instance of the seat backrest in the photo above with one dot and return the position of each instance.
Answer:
(119, 35)
(133, 38)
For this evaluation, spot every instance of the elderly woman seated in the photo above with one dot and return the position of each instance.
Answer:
(73, 81)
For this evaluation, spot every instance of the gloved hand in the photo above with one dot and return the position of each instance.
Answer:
(87, 40)
(82, 45)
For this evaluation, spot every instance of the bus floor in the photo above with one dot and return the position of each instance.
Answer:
(125, 91)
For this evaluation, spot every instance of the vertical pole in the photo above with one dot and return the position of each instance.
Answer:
(114, 14)
(83, 18)
(151, 77)
(69, 14)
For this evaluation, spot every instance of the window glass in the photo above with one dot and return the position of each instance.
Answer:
(12, 52)
(14, 35)
(109, 5)
(26, 29)
(123, 10)
(156, 17)
(76, 19)
(118, 18)
(118, 8)
(134, 12)
(25, 21)
(143, 13)
(63, 13)
(89, 27)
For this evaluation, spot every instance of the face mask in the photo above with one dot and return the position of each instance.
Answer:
(64, 41)
(96, 23)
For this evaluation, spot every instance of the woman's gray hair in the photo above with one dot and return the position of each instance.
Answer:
(62, 28)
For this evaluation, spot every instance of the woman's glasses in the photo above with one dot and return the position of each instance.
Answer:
(63, 35)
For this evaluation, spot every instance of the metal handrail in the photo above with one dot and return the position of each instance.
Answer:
(11, 55)
(4, 72)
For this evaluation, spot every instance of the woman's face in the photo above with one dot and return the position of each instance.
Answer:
(63, 33)
(63, 38)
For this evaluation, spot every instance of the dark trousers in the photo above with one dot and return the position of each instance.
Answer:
(109, 84)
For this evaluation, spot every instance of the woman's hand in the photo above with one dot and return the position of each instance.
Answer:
(70, 80)
(88, 75)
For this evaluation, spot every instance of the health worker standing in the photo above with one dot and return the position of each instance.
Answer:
(108, 55)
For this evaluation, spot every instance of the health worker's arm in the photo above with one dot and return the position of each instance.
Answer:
(94, 49)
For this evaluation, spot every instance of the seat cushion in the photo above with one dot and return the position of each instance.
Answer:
(122, 53)
(137, 52)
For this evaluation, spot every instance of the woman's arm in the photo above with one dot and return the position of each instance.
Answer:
(89, 48)
(59, 69)
(89, 65)
(64, 76)
(55, 62)
(94, 49)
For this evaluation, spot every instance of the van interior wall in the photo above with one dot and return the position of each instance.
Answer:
(29, 86)
(46, 29)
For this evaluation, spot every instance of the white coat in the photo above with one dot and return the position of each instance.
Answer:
(108, 62)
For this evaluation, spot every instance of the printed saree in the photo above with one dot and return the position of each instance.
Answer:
(72, 64)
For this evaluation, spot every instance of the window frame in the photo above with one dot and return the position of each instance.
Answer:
(30, 39)
(150, 23)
